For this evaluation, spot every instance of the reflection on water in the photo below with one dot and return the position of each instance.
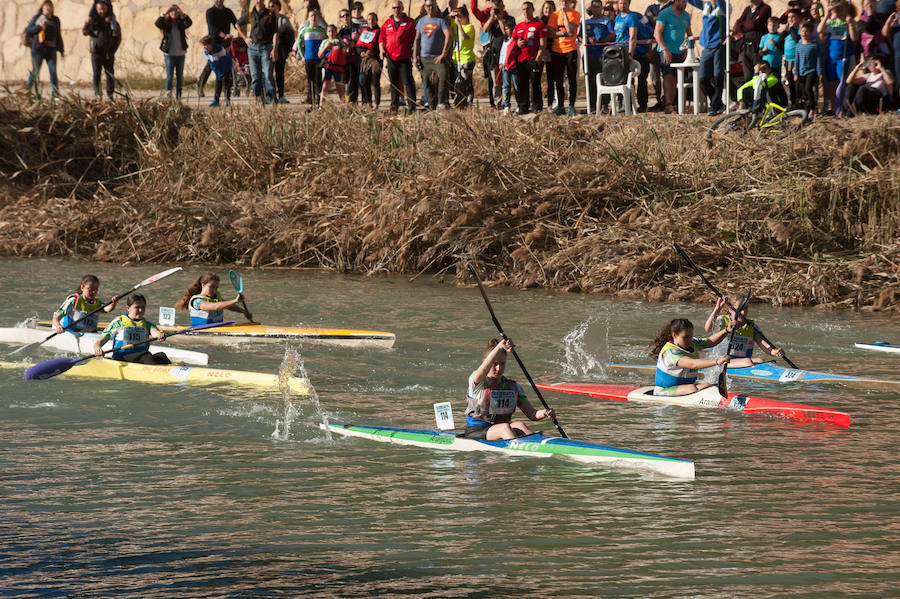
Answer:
(130, 489)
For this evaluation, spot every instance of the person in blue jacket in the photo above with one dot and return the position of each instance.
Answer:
(712, 60)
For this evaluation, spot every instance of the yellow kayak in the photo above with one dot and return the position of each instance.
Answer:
(172, 373)
(254, 332)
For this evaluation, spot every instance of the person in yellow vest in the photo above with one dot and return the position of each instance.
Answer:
(71, 314)
(130, 329)
(204, 304)
(491, 399)
(745, 335)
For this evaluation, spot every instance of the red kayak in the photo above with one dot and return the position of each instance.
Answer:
(707, 398)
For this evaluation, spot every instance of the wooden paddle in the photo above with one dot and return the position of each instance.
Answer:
(143, 283)
(723, 383)
(718, 293)
(51, 368)
(515, 355)
(238, 283)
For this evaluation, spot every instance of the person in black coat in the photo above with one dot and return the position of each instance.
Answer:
(173, 24)
(105, 38)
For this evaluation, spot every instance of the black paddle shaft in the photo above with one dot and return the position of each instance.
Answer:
(537, 391)
(723, 383)
(718, 293)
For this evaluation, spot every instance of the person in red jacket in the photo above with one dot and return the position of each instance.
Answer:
(750, 27)
(528, 45)
(397, 36)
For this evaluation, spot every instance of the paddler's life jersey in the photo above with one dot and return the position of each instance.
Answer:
(74, 308)
(668, 373)
(492, 406)
(742, 344)
(124, 331)
(199, 316)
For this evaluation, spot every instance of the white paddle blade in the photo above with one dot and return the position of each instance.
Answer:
(443, 416)
(157, 277)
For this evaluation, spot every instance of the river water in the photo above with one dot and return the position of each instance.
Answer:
(120, 488)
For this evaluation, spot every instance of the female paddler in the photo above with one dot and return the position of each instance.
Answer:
(677, 354)
(745, 335)
(492, 398)
(132, 328)
(81, 302)
(205, 305)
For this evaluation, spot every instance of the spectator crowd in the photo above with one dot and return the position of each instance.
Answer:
(845, 55)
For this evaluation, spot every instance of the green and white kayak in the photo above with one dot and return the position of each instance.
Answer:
(536, 445)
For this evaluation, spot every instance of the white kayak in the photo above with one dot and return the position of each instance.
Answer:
(83, 343)
(879, 346)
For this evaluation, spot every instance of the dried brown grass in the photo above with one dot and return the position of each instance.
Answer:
(582, 204)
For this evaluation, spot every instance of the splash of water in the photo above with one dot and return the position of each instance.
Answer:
(578, 360)
(292, 366)
(711, 375)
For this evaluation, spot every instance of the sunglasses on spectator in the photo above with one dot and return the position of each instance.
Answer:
(343, 15)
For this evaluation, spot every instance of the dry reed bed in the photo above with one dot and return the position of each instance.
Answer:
(583, 204)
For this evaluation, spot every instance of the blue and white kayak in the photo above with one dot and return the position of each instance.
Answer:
(879, 346)
(536, 445)
(777, 374)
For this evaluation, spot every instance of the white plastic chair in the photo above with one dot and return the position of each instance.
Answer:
(629, 100)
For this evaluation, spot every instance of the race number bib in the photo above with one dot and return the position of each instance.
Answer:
(503, 401)
(133, 335)
(367, 37)
(741, 347)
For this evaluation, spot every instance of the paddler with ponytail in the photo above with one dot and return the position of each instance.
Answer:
(81, 302)
(677, 354)
(745, 335)
(492, 398)
(132, 328)
(205, 305)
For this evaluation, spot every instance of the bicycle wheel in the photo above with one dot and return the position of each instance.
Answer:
(739, 121)
(789, 122)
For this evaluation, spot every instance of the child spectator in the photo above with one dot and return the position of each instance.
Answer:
(770, 47)
(789, 39)
(808, 68)
(505, 74)
(220, 63)
(370, 61)
(105, 39)
(306, 48)
(765, 86)
(334, 52)
(839, 32)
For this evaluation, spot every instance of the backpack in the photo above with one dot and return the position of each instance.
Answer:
(337, 58)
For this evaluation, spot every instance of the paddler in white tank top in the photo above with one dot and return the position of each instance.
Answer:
(677, 354)
(492, 398)
(81, 302)
(745, 336)
(203, 302)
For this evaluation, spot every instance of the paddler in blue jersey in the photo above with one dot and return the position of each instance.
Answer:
(745, 336)
(492, 398)
(205, 305)
(677, 354)
(132, 328)
(81, 302)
